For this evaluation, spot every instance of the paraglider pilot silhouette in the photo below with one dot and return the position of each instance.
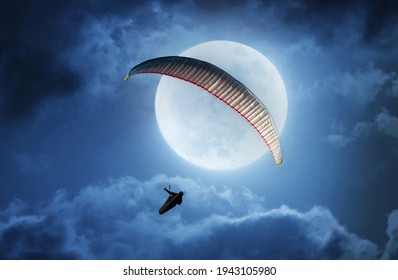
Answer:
(172, 201)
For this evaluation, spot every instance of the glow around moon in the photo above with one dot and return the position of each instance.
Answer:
(205, 131)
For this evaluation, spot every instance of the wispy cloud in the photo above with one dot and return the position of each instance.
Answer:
(340, 140)
(29, 164)
(363, 86)
(384, 124)
(387, 124)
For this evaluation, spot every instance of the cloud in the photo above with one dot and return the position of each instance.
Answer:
(31, 47)
(339, 137)
(305, 46)
(61, 49)
(118, 219)
(362, 86)
(387, 124)
(281, 233)
(123, 41)
(340, 140)
(384, 124)
(391, 251)
(29, 164)
(380, 19)
(54, 50)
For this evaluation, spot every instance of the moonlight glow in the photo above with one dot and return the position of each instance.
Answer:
(205, 131)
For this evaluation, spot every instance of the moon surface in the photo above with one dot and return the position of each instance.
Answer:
(205, 131)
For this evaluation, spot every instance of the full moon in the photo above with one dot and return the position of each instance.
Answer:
(205, 131)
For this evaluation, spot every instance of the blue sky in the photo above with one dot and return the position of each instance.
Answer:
(83, 163)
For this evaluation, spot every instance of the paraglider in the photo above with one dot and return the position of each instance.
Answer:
(221, 85)
(172, 201)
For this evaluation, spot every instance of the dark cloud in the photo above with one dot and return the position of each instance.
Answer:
(37, 40)
(118, 220)
(55, 49)
(375, 18)
(30, 78)
(34, 238)
(381, 16)
(34, 36)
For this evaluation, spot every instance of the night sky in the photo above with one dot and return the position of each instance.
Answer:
(83, 163)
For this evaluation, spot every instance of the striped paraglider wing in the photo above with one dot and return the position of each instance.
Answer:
(221, 85)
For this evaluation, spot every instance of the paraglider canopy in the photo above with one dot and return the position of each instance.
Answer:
(221, 85)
